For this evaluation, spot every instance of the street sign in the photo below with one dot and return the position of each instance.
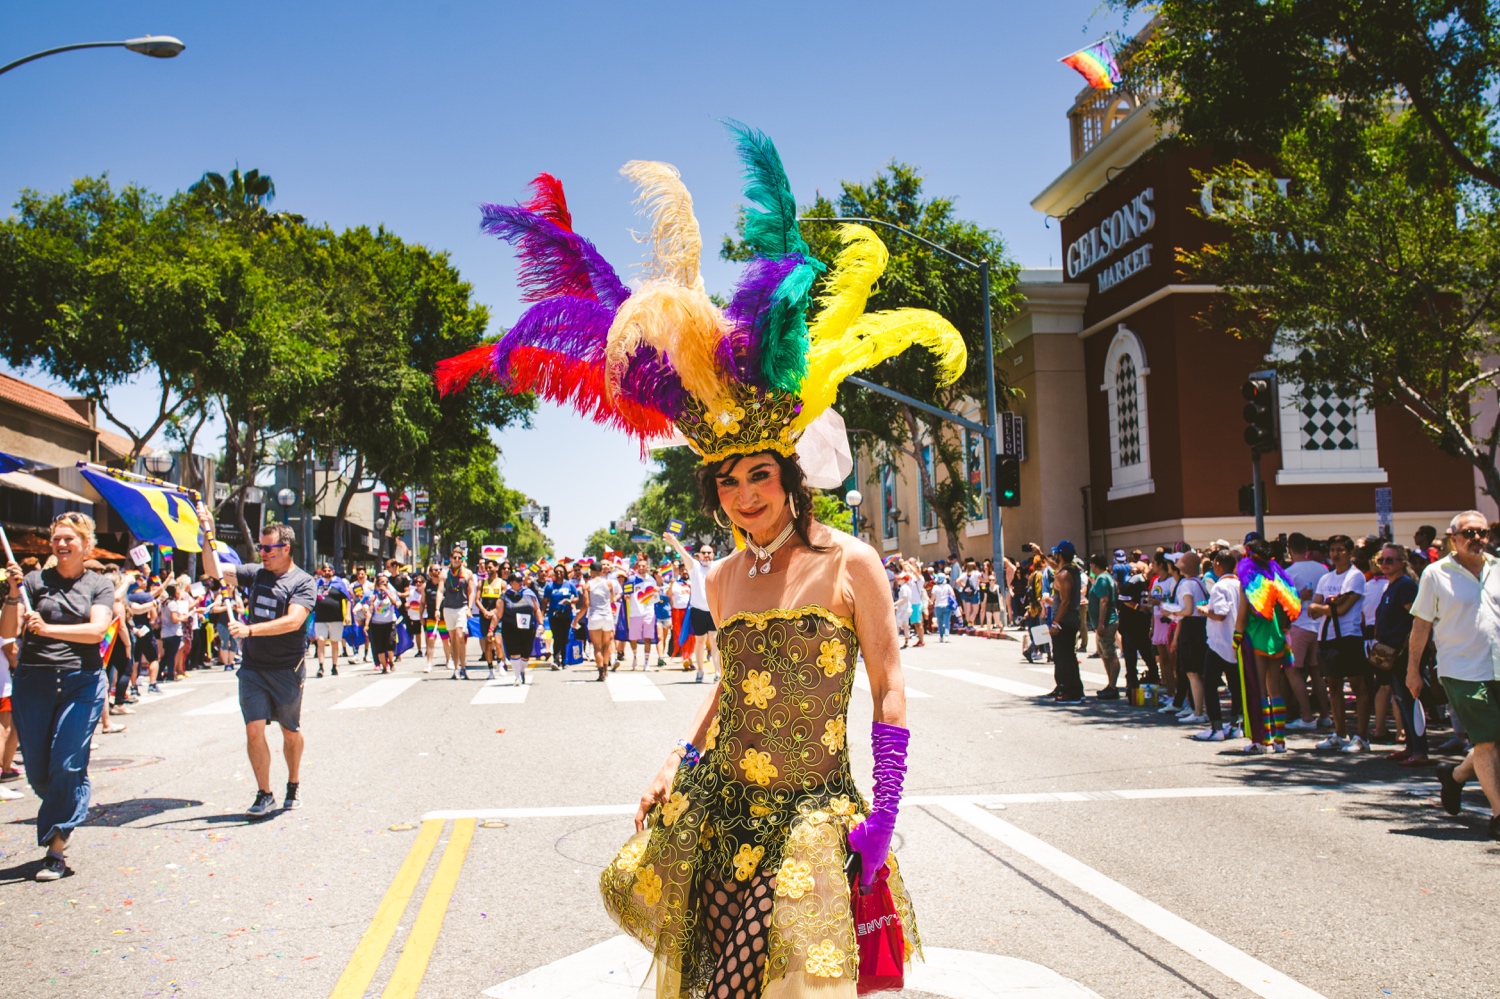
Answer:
(1385, 524)
(507, 526)
(1013, 435)
(641, 537)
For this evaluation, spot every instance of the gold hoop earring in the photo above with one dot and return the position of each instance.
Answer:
(720, 522)
(791, 501)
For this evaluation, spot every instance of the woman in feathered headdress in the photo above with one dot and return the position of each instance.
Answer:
(736, 878)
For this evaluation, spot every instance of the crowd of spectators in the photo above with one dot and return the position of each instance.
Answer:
(1370, 645)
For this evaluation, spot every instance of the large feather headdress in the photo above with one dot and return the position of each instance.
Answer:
(750, 377)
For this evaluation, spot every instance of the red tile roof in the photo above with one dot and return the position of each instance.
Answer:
(39, 399)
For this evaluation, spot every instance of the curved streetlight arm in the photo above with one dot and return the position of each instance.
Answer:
(158, 46)
(891, 225)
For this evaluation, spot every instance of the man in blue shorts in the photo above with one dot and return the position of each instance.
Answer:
(272, 671)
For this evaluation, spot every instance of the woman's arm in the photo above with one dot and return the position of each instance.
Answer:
(98, 623)
(877, 637)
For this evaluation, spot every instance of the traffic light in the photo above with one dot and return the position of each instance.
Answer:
(612, 527)
(546, 515)
(1008, 480)
(1259, 391)
(1247, 502)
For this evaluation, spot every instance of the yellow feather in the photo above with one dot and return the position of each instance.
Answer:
(855, 270)
(870, 339)
(681, 323)
(676, 244)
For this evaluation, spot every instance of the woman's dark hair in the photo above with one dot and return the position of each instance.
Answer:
(170, 590)
(1259, 550)
(793, 483)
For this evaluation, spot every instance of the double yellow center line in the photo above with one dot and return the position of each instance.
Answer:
(424, 932)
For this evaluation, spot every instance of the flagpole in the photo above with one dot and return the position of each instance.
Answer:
(10, 556)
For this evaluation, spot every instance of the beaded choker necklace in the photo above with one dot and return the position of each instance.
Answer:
(764, 554)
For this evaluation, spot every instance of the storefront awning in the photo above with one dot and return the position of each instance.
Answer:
(32, 484)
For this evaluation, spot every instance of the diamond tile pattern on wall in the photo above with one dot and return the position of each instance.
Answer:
(1328, 422)
(1127, 411)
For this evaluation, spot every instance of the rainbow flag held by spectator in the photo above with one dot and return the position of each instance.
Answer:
(107, 643)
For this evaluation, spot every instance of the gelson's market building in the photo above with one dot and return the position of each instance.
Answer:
(1130, 408)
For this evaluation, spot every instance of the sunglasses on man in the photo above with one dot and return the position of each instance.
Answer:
(1472, 533)
(268, 549)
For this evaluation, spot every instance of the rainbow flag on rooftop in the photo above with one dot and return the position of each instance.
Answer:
(1097, 64)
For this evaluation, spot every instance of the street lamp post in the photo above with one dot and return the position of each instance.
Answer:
(853, 498)
(991, 429)
(156, 46)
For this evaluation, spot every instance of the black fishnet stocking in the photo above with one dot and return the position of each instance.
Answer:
(739, 918)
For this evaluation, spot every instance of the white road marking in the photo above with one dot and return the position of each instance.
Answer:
(1258, 977)
(377, 694)
(863, 683)
(228, 706)
(170, 690)
(993, 682)
(618, 967)
(1098, 678)
(632, 687)
(987, 800)
(501, 692)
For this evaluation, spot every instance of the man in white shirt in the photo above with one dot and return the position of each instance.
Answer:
(1220, 661)
(1302, 639)
(1458, 607)
(1337, 606)
(700, 620)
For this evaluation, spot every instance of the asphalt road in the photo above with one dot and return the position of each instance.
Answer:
(452, 838)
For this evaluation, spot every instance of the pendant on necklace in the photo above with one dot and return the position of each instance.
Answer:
(752, 570)
(766, 569)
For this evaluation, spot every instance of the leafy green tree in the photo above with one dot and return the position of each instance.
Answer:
(918, 277)
(1370, 266)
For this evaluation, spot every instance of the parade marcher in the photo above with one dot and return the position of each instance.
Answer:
(599, 613)
(59, 688)
(456, 594)
(8, 740)
(521, 612)
(1066, 622)
(272, 670)
(736, 878)
(700, 618)
(384, 605)
(329, 615)
(1269, 605)
(491, 586)
(561, 597)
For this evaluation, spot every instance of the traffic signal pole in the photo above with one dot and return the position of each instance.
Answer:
(1261, 433)
(1260, 492)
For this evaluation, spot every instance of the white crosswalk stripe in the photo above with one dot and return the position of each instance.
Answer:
(501, 692)
(863, 683)
(228, 706)
(170, 690)
(993, 682)
(378, 694)
(1098, 678)
(632, 687)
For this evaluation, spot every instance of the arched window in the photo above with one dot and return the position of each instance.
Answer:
(1125, 374)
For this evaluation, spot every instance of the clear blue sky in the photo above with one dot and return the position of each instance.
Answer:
(411, 115)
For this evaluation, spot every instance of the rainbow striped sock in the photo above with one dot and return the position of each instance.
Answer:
(1278, 720)
(1265, 712)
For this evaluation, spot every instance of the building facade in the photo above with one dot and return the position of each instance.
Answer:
(1130, 395)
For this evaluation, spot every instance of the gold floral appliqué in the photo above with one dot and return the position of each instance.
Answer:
(825, 960)
(757, 687)
(675, 806)
(832, 657)
(795, 878)
(833, 734)
(758, 767)
(745, 860)
(630, 857)
(648, 885)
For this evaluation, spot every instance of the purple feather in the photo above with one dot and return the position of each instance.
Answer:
(749, 314)
(566, 324)
(554, 261)
(650, 381)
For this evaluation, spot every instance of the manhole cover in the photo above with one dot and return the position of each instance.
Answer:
(122, 762)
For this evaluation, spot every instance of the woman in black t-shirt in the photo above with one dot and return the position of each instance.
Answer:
(60, 685)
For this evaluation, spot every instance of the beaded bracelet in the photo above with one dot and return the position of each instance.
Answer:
(690, 754)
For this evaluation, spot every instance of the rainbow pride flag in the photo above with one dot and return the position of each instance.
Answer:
(107, 643)
(1097, 65)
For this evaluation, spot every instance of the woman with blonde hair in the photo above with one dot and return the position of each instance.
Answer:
(60, 615)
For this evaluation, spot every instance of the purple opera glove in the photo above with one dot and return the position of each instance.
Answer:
(871, 839)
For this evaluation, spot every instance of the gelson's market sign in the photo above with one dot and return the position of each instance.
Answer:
(1113, 243)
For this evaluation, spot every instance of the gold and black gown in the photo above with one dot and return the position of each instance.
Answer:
(737, 884)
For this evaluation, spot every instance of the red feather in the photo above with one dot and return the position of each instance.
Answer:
(548, 201)
(570, 381)
(454, 373)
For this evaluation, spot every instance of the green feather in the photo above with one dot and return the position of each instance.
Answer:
(770, 226)
(783, 347)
